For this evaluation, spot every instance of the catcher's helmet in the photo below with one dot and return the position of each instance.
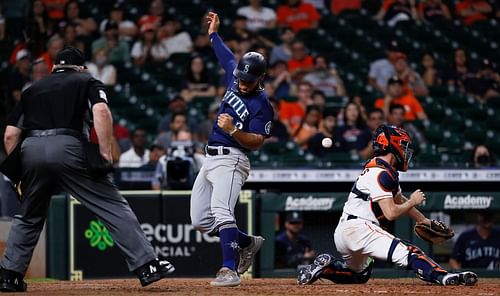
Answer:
(251, 67)
(390, 139)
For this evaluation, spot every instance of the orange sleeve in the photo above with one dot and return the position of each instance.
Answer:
(281, 13)
(379, 103)
(417, 108)
(284, 111)
(386, 4)
(312, 12)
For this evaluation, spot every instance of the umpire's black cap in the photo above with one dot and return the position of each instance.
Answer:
(251, 67)
(70, 56)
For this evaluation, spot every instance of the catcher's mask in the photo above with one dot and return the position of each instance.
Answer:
(390, 139)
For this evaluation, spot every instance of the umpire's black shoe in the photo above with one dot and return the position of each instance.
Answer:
(11, 281)
(154, 271)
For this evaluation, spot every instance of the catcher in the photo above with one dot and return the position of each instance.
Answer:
(375, 196)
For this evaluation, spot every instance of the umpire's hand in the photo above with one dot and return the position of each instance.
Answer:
(213, 22)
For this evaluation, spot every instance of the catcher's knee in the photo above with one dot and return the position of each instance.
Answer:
(398, 253)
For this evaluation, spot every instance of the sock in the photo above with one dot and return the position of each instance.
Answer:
(229, 245)
(243, 239)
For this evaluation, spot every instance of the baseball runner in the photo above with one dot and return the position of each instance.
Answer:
(243, 122)
(376, 195)
(50, 126)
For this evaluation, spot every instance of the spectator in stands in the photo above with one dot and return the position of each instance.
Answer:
(429, 73)
(478, 247)
(39, 27)
(326, 130)
(117, 51)
(155, 153)
(396, 117)
(283, 52)
(471, 11)
(155, 14)
(55, 8)
(100, 69)
(486, 84)
(301, 62)
(375, 118)
(178, 123)
(291, 247)
(69, 35)
(337, 6)
(39, 70)
(292, 113)
(176, 104)
(325, 78)
(138, 154)
(279, 132)
(412, 81)
(318, 4)
(198, 81)
(308, 127)
(460, 70)
(433, 11)
(395, 95)
(319, 100)
(54, 45)
(204, 128)
(148, 49)
(174, 38)
(258, 16)
(201, 42)
(20, 75)
(298, 15)
(394, 11)
(127, 30)
(352, 135)
(482, 157)
(383, 69)
(278, 81)
(85, 26)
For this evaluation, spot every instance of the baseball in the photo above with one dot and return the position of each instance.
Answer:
(327, 142)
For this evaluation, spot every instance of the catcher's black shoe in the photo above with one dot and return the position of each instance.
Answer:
(467, 278)
(11, 281)
(310, 273)
(154, 271)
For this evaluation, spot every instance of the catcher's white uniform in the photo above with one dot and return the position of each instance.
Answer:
(358, 235)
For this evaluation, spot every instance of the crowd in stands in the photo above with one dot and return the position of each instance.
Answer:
(300, 81)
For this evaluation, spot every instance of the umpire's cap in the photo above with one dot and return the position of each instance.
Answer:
(251, 67)
(70, 56)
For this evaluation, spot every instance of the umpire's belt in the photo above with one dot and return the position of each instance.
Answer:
(54, 132)
(217, 150)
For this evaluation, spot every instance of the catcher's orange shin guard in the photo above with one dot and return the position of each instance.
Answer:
(423, 266)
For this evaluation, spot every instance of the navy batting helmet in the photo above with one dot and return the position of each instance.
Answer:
(390, 139)
(251, 67)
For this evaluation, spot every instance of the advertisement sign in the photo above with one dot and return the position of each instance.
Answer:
(165, 221)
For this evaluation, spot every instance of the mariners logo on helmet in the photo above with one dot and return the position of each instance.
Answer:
(251, 67)
(390, 139)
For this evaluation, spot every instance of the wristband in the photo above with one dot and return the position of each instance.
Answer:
(235, 129)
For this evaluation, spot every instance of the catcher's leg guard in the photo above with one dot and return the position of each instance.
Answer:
(339, 273)
(424, 267)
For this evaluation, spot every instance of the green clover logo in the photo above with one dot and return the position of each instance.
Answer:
(99, 236)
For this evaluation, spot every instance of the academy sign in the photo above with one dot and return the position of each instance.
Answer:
(309, 203)
(467, 202)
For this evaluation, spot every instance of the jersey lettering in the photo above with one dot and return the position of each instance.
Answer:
(237, 104)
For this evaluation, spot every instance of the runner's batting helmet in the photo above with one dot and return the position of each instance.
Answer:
(251, 67)
(390, 139)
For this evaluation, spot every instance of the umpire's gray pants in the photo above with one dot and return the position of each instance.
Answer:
(57, 162)
(216, 190)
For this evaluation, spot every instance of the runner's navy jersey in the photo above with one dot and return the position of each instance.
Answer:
(251, 113)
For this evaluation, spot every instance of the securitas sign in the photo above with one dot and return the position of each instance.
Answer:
(467, 201)
(309, 203)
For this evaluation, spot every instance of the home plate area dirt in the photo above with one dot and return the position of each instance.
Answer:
(197, 286)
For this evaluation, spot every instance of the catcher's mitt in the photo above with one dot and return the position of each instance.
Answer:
(435, 233)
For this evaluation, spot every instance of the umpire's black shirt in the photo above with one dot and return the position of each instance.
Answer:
(59, 100)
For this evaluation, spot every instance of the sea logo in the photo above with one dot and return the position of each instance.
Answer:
(309, 203)
(467, 202)
(99, 236)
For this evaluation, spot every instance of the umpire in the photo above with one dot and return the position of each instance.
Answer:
(51, 125)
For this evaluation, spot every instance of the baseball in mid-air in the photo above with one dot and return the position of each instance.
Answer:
(326, 142)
